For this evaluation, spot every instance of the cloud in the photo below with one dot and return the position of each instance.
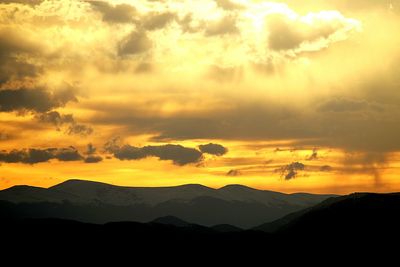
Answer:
(113, 145)
(371, 130)
(144, 68)
(339, 104)
(91, 154)
(326, 168)
(67, 154)
(15, 48)
(91, 149)
(135, 43)
(55, 118)
(79, 129)
(122, 13)
(155, 21)
(25, 2)
(226, 25)
(35, 100)
(4, 136)
(371, 163)
(233, 173)
(313, 156)
(291, 170)
(93, 159)
(190, 25)
(34, 156)
(213, 149)
(59, 120)
(228, 5)
(178, 154)
(241, 121)
(225, 74)
(311, 32)
(359, 5)
(321, 108)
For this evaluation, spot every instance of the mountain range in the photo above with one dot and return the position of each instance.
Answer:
(357, 227)
(95, 202)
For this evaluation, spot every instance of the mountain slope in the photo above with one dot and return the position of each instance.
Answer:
(356, 215)
(80, 191)
(171, 220)
(29, 194)
(95, 202)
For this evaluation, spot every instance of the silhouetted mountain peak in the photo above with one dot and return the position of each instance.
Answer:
(22, 188)
(194, 187)
(73, 183)
(236, 187)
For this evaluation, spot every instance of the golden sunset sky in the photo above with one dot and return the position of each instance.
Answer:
(297, 95)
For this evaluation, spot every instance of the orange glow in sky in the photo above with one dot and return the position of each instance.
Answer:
(287, 96)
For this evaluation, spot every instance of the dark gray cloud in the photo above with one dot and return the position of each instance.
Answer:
(282, 35)
(155, 21)
(244, 121)
(113, 145)
(79, 129)
(33, 155)
(178, 154)
(14, 69)
(135, 43)
(286, 34)
(55, 118)
(91, 149)
(67, 154)
(291, 170)
(35, 100)
(213, 149)
(122, 13)
(374, 130)
(14, 49)
(93, 159)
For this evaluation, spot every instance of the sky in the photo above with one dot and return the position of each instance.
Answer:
(292, 95)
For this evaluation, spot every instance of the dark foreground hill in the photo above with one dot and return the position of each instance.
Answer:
(100, 203)
(360, 226)
(356, 216)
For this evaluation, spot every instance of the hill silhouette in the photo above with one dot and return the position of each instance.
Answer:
(356, 216)
(100, 203)
(358, 226)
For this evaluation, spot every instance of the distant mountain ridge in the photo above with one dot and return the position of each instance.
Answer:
(96, 202)
(88, 191)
